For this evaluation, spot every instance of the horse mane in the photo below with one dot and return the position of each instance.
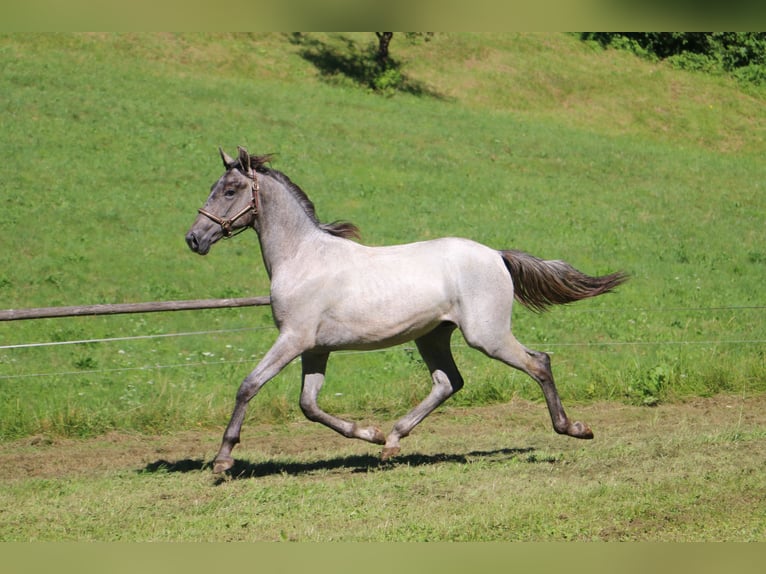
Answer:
(338, 228)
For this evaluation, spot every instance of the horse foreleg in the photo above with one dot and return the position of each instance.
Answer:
(280, 354)
(435, 350)
(314, 366)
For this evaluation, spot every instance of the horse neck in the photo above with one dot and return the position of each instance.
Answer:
(284, 226)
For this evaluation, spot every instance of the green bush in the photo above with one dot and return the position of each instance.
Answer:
(388, 80)
(648, 387)
(741, 54)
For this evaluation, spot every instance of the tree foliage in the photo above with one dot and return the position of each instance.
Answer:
(741, 54)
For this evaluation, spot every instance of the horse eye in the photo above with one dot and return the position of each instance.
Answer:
(229, 193)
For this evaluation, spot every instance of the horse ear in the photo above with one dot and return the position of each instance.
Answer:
(244, 159)
(227, 160)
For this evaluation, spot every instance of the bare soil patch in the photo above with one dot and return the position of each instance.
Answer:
(449, 432)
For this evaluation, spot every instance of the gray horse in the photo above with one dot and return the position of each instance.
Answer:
(330, 293)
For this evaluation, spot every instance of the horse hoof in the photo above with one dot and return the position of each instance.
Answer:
(580, 430)
(222, 465)
(389, 452)
(370, 434)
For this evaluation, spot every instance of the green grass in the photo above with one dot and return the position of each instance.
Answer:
(681, 472)
(534, 142)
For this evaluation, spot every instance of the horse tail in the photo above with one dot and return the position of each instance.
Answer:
(538, 283)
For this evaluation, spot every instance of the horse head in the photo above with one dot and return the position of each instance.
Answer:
(231, 206)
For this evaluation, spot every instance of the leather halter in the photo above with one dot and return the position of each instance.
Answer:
(226, 224)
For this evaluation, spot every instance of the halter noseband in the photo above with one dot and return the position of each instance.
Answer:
(253, 207)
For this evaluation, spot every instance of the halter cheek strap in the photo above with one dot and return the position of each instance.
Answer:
(226, 224)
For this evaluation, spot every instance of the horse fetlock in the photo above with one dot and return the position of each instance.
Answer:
(378, 436)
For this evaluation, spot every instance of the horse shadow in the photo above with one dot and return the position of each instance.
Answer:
(244, 469)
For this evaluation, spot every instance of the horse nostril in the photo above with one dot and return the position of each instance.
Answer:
(191, 241)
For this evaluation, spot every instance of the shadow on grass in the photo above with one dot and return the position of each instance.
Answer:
(243, 469)
(346, 60)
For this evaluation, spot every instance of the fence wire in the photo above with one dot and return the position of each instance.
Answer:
(253, 359)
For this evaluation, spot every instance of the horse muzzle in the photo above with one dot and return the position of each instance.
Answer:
(198, 243)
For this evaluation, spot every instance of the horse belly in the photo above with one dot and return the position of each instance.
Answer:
(381, 318)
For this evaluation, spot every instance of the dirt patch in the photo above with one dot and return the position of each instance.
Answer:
(446, 432)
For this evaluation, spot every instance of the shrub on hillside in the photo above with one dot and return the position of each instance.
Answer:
(741, 54)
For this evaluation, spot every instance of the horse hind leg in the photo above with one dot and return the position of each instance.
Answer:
(538, 366)
(314, 366)
(544, 376)
(435, 350)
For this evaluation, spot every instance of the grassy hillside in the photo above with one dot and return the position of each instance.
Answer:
(535, 142)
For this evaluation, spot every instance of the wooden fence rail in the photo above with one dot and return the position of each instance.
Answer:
(118, 308)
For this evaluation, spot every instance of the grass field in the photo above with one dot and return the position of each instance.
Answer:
(680, 472)
(534, 142)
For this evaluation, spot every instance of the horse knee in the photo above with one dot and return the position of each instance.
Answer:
(246, 392)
